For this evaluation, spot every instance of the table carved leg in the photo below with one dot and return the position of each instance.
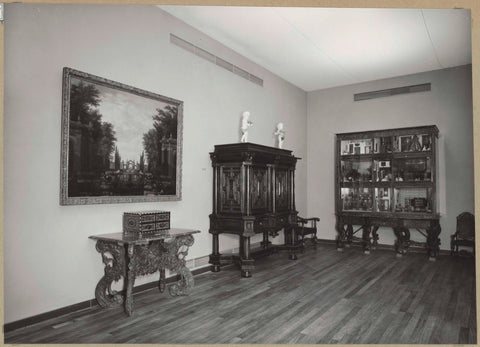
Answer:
(130, 279)
(366, 239)
(433, 241)
(341, 234)
(139, 260)
(403, 240)
(113, 256)
(349, 234)
(375, 237)
(174, 261)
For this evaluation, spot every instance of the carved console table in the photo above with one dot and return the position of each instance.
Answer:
(130, 256)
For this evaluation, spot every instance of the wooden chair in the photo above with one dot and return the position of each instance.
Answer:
(306, 226)
(465, 234)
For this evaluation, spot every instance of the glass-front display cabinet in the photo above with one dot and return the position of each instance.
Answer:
(387, 178)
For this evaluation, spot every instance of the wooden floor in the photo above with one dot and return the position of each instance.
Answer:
(323, 297)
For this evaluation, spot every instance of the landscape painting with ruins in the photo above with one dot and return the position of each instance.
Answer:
(123, 143)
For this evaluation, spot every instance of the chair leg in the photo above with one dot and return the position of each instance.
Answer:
(314, 240)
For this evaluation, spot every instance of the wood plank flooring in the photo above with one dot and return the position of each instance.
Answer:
(324, 297)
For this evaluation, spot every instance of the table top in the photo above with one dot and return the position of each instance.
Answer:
(144, 238)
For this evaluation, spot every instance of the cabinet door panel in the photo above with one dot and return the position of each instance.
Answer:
(259, 190)
(230, 193)
(281, 189)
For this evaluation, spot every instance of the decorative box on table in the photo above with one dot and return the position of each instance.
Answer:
(145, 222)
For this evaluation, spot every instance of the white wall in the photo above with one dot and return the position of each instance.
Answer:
(448, 105)
(49, 260)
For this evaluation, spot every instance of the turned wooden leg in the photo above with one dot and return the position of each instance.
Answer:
(215, 256)
(265, 243)
(246, 263)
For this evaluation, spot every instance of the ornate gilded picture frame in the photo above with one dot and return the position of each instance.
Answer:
(119, 143)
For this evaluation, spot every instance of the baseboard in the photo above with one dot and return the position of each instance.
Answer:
(386, 247)
(147, 286)
(85, 304)
(201, 265)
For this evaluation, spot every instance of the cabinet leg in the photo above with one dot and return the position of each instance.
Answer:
(265, 243)
(246, 263)
(215, 256)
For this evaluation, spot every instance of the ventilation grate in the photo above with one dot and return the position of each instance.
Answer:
(215, 60)
(392, 91)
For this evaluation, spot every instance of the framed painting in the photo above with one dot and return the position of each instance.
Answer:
(119, 143)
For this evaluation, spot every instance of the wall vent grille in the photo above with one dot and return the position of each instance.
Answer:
(392, 91)
(200, 52)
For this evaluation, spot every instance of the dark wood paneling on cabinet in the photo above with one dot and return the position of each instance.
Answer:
(253, 193)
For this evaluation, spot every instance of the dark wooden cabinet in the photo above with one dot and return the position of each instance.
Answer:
(253, 192)
(387, 178)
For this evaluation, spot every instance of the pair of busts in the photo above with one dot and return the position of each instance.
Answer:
(246, 123)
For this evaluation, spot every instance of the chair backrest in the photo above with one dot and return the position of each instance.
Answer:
(466, 226)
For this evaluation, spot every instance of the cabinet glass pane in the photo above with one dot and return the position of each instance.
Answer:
(383, 198)
(413, 199)
(383, 144)
(412, 143)
(360, 146)
(356, 170)
(356, 199)
(382, 170)
(412, 169)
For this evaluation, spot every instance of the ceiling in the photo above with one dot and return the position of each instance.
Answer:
(317, 48)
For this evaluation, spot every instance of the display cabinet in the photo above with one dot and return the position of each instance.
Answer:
(387, 178)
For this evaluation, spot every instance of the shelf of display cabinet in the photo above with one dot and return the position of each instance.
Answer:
(356, 184)
(356, 156)
(413, 184)
(387, 156)
(390, 214)
(412, 155)
(363, 184)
